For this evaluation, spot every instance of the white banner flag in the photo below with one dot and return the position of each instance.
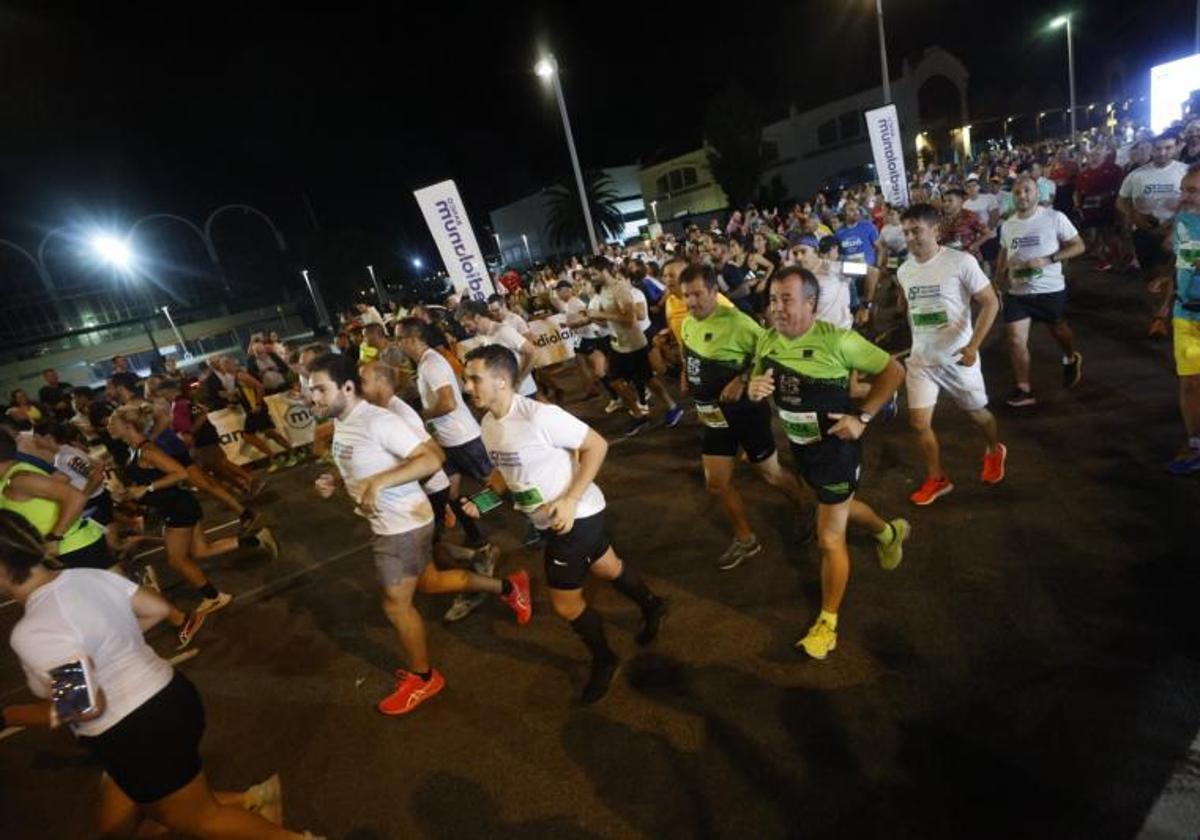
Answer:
(883, 124)
(447, 219)
(292, 417)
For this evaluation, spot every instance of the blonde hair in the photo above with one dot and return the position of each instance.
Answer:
(140, 416)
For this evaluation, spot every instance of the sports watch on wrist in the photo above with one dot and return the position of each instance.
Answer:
(865, 417)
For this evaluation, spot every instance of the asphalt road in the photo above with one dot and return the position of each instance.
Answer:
(1030, 670)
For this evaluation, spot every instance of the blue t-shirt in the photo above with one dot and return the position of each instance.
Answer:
(857, 243)
(1187, 254)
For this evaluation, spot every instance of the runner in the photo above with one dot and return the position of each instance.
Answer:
(381, 462)
(152, 477)
(1186, 319)
(474, 315)
(1148, 199)
(1095, 203)
(623, 308)
(379, 382)
(146, 728)
(939, 285)
(718, 346)
(500, 313)
(548, 460)
(1035, 241)
(805, 365)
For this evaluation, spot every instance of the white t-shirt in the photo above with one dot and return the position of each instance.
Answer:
(1038, 236)
(457, 427)
(506, 336)
(371, 316)
(938, 292)
(370, 441)
(639, 299)
(438, 481)
(1153, 190)
(833, 305)
(77, 467)
(982, 205)
(512, 319)
(594, 305)
(533, 447)
(87, 613)
(574, 309)
(626, 338)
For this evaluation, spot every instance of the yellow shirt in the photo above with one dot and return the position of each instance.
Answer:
(676, 311)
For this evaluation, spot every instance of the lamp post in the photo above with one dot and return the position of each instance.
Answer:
(547, 68)
(528, 253)
(383, 300)
(887, 84)
(115, 251)
(187, 354)
(318, 304)
(1065, 20)
(654, 210)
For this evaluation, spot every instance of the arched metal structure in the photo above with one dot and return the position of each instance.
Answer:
(245, 208)
(37, 266)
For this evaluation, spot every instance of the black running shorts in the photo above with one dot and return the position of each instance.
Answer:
(631, 367)
(154, 750)
(569, 556)
(831, 467)
(1047, 308)
(747, 428)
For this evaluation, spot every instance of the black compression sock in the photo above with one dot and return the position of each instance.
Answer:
(604, 380)
(208, 590)
(630, 584)
(424, 676)
(506, 586)
(248, 542)
(589, 626)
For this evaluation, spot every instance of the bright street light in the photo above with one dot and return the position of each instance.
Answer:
(116, 252)
(417, 264)
(547, 68)
(1058, 22)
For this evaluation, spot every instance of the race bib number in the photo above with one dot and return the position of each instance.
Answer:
(1027, 273)
(711, 415)
(527, 499)
(801, 427)
(930, 319)
(693, 370)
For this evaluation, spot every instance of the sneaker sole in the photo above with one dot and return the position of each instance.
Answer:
(1020, 403)
(746, 555)
(1003, 470)
(800, 647)
(472, 604)
(218, 608)
(932, 498)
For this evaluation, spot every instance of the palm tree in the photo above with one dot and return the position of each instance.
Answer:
(564, 217)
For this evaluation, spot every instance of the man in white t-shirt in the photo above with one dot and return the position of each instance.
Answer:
(453, 426)
(835, 278)
(548, 460)
(476, 319)
(381, 463)
(1148, 199)
(379, 383)
(985, 206)
(501, 314)
(588, 357)
(623, 308)
(1035, 241)
(368, 314)
(939, 285)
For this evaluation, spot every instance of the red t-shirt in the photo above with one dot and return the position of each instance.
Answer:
(1097, 186)
(181, 416)
(1064, 173)
(511, 281)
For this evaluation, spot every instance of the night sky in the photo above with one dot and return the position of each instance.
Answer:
(128, 109)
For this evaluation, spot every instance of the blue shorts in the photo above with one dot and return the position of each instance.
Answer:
(470, 459)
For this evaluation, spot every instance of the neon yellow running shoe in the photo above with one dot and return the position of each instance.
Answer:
(820, 641)
(891, 553)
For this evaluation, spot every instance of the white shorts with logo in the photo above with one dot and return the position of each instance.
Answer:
(963, 384)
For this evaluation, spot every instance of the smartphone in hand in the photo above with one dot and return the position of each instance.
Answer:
(73, 691)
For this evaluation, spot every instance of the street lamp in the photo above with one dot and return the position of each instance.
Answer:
(1065, 20)
(654, 210)
(887, 85)
(113, 250)
(417, 264)
(383, 299)
(322, 313)
(528, 253)
(547, 68)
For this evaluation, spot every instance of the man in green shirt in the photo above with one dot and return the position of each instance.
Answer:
(718, 344)
(805, 365)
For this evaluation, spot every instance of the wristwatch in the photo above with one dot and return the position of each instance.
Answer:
(865, 417)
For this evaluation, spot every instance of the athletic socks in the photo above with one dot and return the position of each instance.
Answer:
(469, 525)
(208, 590)
(630, 584)
(424, 676)
(589, 626)
(249, 542)
(887, 536)
(829, 618)
(604, 380)
(506, 587)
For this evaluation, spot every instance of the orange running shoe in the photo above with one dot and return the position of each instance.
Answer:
(449, 520)
(931, 491)
(519, 598)
(411, 691)
(993, 465)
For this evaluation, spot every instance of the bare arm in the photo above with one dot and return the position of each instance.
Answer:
(149, 607)
(590, 457)
(421, 463)
(446, 403)
(528, 357)
(173, 471)
(989, 306)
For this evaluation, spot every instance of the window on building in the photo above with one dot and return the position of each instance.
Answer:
(850, 125)
(689, 176)
(676, 179)
(661, 184)
(827, 133)
(770, 151)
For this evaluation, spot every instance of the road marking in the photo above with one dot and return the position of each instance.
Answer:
(174, 660)
(155, 550)
(1176, 812)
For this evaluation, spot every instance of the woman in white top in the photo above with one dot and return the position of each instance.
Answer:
(147, 719)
